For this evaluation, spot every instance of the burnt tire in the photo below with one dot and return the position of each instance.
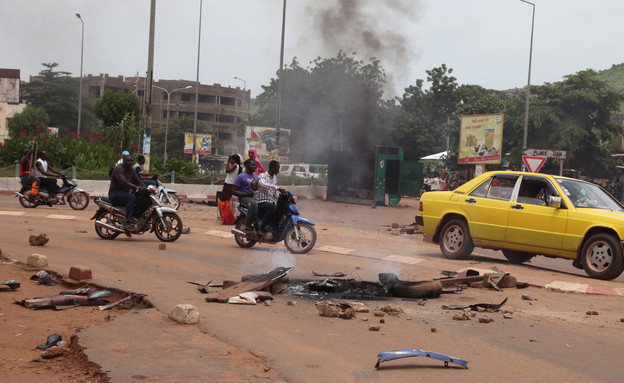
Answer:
(455, 240)
(241, 241)
(602, 257)
(517, 257)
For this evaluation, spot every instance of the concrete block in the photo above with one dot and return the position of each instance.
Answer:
(80, 273)
(184, 314)
(37, 260)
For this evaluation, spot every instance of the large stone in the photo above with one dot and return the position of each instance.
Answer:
(37, 260)
(184, 314)
(38, 240)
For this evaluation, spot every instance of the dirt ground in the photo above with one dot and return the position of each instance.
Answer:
(24, 329)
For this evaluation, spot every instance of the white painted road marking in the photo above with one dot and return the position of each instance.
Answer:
(335, 249)
(402, 259)
(60, 216)
(11, 212)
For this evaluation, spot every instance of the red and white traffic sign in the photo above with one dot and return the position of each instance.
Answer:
(534, 163)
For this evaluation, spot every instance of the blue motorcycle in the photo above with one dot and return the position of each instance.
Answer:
(297, 232)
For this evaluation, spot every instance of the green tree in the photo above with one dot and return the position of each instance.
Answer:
(57, 93)
(25, 122)
(125, 134)
(113, 107)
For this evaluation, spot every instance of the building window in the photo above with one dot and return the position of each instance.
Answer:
(228, 101)
(225, 118)
(206, 98)
(188, 97)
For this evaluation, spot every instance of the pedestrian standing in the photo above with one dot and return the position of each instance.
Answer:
(232, 170)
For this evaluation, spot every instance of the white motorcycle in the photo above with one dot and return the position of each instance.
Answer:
(166, 197)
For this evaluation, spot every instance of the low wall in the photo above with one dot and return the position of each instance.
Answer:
(100, 188)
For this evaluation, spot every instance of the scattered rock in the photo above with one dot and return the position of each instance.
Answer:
(526, 297)
(378, 313)
(433, 329)
(52, 353)
(621, 319)
(37, 260)
(162, 246)
(592, 312)
(462, 316)
(186, 230)
(382, 321)
(364, 319)
(329, 308)
(392, 310)
(184, 314)
(268, 303)
(374, 328)
(395, 225)
(38, 240)
(532, 341)
(486, 320)
(291, 303)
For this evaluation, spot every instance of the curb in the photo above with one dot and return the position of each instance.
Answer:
(570, 287)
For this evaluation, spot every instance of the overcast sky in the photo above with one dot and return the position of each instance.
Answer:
(486, 42)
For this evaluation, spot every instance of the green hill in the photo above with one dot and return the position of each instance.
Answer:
(613, 76)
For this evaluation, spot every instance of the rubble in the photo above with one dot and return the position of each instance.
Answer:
(38, 240)
(37, 260)
(329, 308)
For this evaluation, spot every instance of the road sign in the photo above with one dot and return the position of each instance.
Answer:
(533, 163)
(546, 153)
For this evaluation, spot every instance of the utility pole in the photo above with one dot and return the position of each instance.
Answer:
(148, 86)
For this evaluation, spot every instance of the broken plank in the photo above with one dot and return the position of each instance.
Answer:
(257, 283)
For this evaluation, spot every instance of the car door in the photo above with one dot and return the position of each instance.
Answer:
(531, 221)
(487, 207)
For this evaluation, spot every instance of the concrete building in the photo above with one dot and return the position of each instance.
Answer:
(9, 99)
(219, 107)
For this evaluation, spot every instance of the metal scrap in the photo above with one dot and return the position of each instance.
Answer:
(391, 355)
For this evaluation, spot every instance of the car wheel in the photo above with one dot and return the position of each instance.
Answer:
(517, 256)
(602, 257)
(455, 240)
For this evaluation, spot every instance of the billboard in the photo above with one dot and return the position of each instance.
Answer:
(203, 143)
(265, 141)
(480, 139)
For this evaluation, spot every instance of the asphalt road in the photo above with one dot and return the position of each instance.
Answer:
(550, 339)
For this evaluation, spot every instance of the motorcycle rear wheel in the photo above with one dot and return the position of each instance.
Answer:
(240, 240)
(78, 200)
(303, 244)
(169, 228)
(27, 203)
(110, 219)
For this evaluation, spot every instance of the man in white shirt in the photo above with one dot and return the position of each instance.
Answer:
(268, 192)
(43, 171)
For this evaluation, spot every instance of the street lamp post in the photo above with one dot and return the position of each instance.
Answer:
(80, 91)
(167, 120)
(528, 91)
(244, 82)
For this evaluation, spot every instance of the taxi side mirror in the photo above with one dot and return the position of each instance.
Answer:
(555, 202)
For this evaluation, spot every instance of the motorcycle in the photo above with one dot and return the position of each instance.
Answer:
(297, 232)
(167, 197)
(31, 197)
(163, 221)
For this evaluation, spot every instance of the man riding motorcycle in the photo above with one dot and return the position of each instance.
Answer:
(45, 172)
(124, 180)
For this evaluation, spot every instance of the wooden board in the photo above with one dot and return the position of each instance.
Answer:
(257, 283)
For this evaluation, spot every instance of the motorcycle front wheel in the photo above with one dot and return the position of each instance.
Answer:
(27, 203)
(78, 200)
(171, 200)
(108, 218)
(168, 228)
(300, 238)
(240, 240)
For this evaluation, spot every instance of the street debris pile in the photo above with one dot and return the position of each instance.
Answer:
(38, 240)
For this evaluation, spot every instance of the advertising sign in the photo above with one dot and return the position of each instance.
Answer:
(265, 141)
(203, 143)
(480, 139)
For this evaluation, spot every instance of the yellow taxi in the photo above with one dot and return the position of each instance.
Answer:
(528, 214)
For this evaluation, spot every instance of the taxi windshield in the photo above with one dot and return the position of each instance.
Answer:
(586, 195)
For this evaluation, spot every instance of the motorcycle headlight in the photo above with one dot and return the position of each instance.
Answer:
(152, 189)
(72, 182)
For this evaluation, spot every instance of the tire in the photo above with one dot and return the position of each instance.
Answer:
(169, 228)
(303, 244)
(240, 240)
(27, 203)
(455, 240)
(171, 200)
(602, 257)
(517, 257)
(103, 232)
(78, 200)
